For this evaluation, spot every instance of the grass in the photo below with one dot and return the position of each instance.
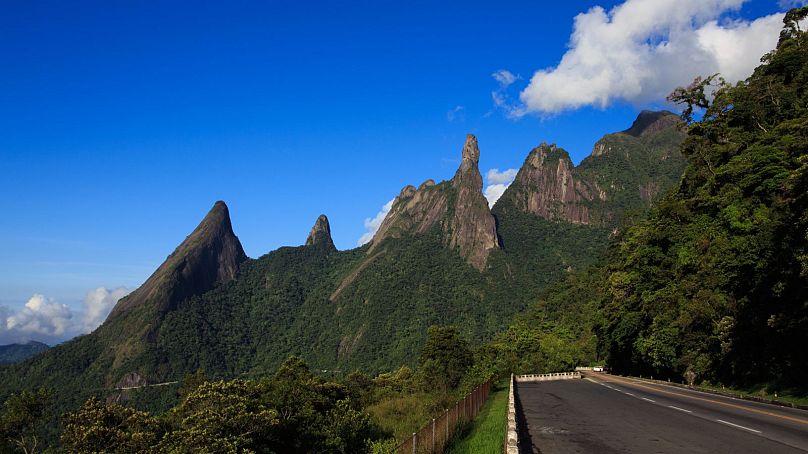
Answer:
(406, 414)
(486, 434)
(791, 396)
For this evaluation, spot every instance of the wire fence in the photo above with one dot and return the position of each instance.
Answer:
(434, 436)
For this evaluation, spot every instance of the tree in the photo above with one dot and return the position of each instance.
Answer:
(223, 417)
(97, 427)
(445, 357)
(348, 430)
(24, 416)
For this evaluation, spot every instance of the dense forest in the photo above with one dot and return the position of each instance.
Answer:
(714, 284)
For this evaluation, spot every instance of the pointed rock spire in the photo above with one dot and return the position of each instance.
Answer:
(458, 206)
(210, 255)
(473, 230)
(321, 233)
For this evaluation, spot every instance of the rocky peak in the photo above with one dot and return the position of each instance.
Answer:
(471, 153)
(426, 184)
(473, 228)
(210, 255)
(321, 233)
(627, 168)
(546, 152)
(548, 186)
(650, 122)
(464, 218)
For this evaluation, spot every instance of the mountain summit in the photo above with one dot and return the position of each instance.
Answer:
(210, 255)
(625, 173)
(456, 207)
(321, 233)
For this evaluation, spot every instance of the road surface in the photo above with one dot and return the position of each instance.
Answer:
(608, 414)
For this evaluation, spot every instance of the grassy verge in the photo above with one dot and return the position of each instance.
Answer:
(406, 414)
(486, 434)
(763, 392)
(795, 396)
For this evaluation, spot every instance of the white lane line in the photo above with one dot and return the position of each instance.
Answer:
(629, 394)
(680, 409)
(738, 426)
(649, 400)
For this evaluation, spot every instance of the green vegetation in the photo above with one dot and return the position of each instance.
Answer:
(713, 286)
(486, 434)
(794, 396)
(24, 421)
(294, 411)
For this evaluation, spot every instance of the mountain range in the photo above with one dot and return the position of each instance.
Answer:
(441, 256)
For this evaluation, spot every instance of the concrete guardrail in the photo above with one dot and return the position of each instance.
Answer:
(512, 435)
(548, 377)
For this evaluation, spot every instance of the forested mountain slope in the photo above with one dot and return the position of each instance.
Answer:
(441, 257)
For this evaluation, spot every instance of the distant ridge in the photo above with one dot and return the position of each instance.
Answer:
(13, 353)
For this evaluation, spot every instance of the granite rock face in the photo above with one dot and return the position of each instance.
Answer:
(472, 229)
(548, 186)
(626, 171)
(456, 207)
(320, 234)
(210, 255)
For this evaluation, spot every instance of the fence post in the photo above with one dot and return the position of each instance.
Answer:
(414, 442)
(433, 435)
(446, 441)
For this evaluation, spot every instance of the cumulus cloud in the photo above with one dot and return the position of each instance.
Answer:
(373, 224)
(497, 183)
(456, 114)
(97, 305)
(46, 320)
(640, 50)
(41, 316)
(494, 176)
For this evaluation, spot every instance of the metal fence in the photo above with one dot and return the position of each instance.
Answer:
(434, 436)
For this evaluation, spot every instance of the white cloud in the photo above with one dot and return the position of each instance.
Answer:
(640, 50)
(373, 224)
(505, 77)
(46, 320)
(97, 305)
(497, 183)
(494, 176)
(41, 316)
(458, 113)
(493, 192)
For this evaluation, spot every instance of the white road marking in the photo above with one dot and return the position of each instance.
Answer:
(649, 400)
(629, 394)
(738, 426)
(680, 409)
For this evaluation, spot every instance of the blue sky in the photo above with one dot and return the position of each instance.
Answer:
(120, 125)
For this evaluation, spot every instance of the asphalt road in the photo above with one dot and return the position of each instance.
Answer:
(607, 414)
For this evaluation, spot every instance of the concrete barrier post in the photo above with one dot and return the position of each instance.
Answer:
(414, 442)
(512, 437)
